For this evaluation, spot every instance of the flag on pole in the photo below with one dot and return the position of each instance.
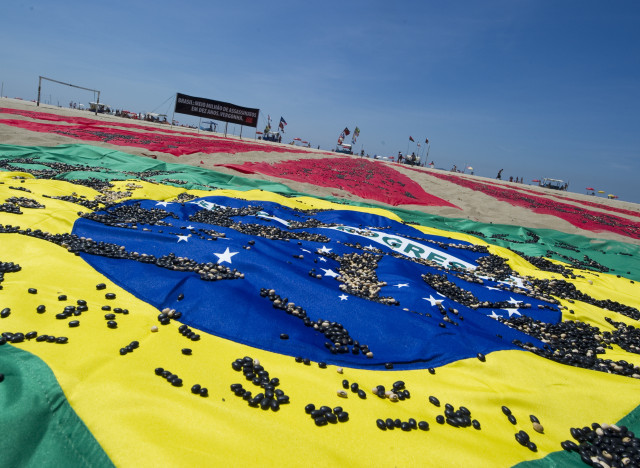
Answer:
(346, 131)
(356, 134)
(282, 124)
(426, 141)
(411, 139)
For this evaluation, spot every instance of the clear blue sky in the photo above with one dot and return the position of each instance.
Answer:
(539, 88)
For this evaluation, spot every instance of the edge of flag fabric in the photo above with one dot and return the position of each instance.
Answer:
(39, 426)
(140, 419)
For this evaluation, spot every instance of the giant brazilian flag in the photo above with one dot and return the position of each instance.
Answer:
(161, 315)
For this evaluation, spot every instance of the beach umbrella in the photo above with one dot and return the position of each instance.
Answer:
(535, 180)
(590, 188)
(600, 191)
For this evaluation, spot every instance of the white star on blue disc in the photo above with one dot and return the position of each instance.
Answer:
(183, 238)
(324, 249)
(513, 301)
(163, 203)
(402, 285)
(330, 272)
(432, 300)
(512, 312)
(225, 256)
(343, 297)
(494, 315)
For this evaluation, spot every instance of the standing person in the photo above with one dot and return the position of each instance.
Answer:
(499, 176)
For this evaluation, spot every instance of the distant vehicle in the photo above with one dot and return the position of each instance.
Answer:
(101, 108)
(272, 136)
(128, 114)
(344, 148)
(412, 160)
(555, 184)
(153, 117)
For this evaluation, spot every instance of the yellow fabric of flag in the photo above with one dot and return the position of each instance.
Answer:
(141, 420)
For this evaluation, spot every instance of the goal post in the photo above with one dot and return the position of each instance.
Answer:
(66, 84)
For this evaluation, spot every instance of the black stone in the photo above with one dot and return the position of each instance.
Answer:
(331, 417)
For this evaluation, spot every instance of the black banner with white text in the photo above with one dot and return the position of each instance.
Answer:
(216, 110)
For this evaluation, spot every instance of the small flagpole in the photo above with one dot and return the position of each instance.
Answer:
(173, 116)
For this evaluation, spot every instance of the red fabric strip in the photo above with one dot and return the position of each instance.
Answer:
(583, 218)
(176, 145)
(362, 177)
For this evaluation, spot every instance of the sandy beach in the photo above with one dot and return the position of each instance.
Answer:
(471, 204)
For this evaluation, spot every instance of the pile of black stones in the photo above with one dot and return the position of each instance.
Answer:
(340, 342)
(224, 216)
(397, 392)
(578, 344)
(75, 244)
(7, 267)
(605, 445)
(460, 417)
(255, 373)
(410, 424)
(324, 414)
